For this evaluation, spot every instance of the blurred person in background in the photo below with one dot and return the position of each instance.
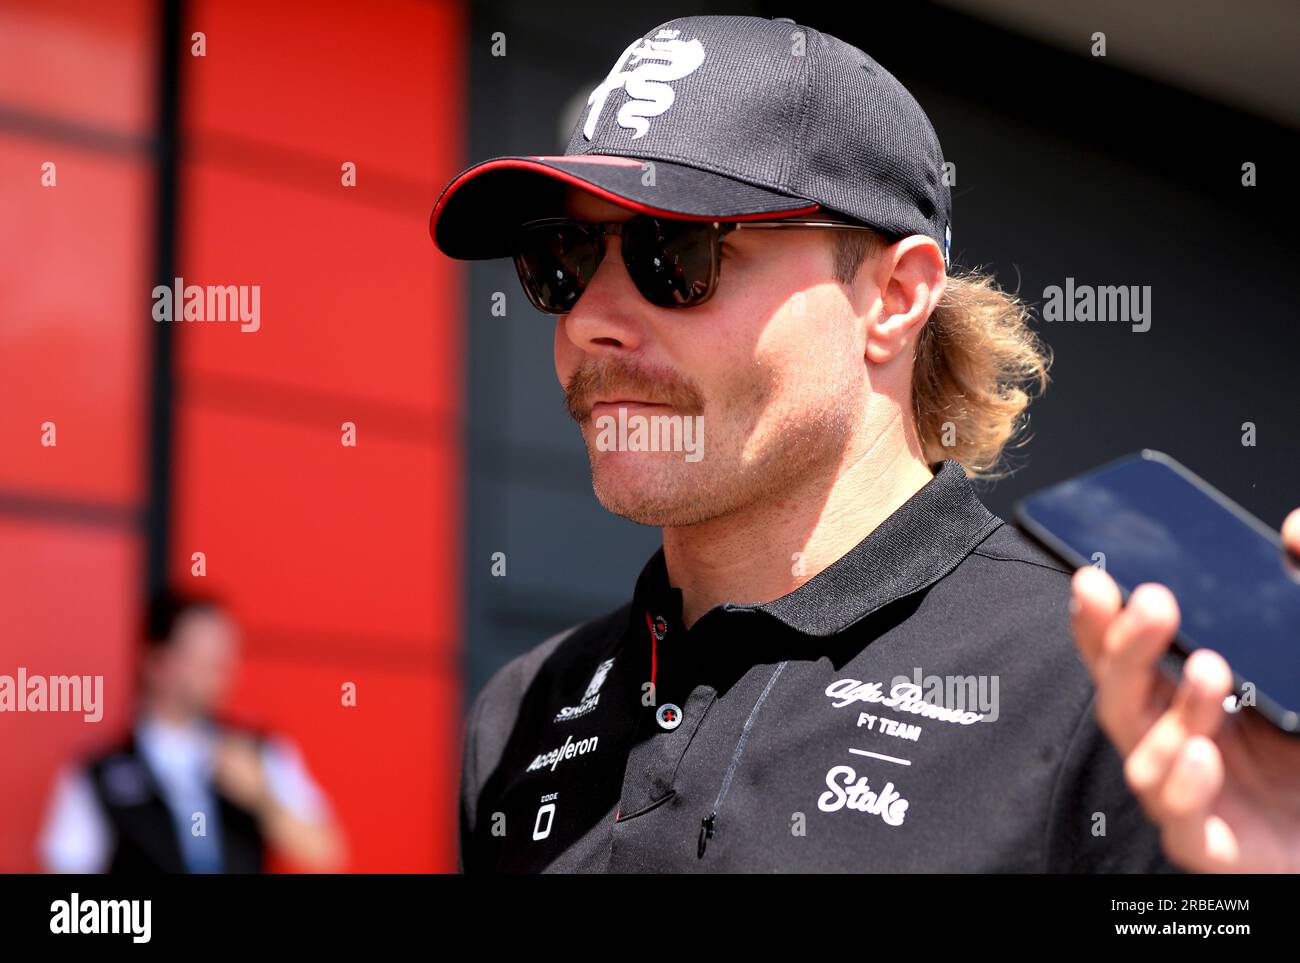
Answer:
(187, 790)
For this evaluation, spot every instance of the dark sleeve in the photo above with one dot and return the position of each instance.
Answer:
(1096, 824)
(488, 727)
(469, 790)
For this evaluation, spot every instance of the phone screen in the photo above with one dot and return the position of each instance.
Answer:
(1152, 520)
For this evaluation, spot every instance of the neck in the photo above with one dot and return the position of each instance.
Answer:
(769, 549)
(169, 712)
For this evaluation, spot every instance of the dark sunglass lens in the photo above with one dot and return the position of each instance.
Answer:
(555, 262)
(673, 263)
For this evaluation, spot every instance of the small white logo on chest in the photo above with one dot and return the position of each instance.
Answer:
(590, 698)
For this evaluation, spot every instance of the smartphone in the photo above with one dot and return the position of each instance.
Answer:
(1147, 518)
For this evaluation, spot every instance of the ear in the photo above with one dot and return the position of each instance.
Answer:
(910, 277)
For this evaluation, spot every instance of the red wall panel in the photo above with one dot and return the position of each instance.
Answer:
(69, 601)
(347, 288)
(81, 60)
(376, 83)
(74, 299)
(308, 536)
(74, 316)
(341, 563)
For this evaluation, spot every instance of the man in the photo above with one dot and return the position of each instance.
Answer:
(186, 791)
(840, 660)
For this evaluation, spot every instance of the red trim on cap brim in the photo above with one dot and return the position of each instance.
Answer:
(517, 163)
(611, 160)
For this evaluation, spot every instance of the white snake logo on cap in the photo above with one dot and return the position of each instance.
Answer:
(659, 60)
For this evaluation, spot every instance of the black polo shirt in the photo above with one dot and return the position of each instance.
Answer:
(917, 706)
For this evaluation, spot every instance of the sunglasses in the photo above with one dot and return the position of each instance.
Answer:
(674, 263)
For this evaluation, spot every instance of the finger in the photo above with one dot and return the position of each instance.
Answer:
(1129, 698)
(1196, 712)
(1193, 836)
(1094, 602)
(1291, 531)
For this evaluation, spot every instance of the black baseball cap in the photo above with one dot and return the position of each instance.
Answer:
(723, 118)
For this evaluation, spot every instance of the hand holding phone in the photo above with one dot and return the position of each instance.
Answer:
(1223, 785)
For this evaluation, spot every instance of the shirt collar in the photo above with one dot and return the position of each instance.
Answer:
(923, 540)
(175, 750)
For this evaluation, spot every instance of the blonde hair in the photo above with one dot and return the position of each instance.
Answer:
(977, 362)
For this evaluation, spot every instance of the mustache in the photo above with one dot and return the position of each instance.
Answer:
(620, 379)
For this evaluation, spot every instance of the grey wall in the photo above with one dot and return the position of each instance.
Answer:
(1066, 166)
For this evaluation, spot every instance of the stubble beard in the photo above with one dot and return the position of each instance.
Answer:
(752, 463)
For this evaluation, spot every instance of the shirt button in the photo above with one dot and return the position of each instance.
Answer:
(669, 716)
